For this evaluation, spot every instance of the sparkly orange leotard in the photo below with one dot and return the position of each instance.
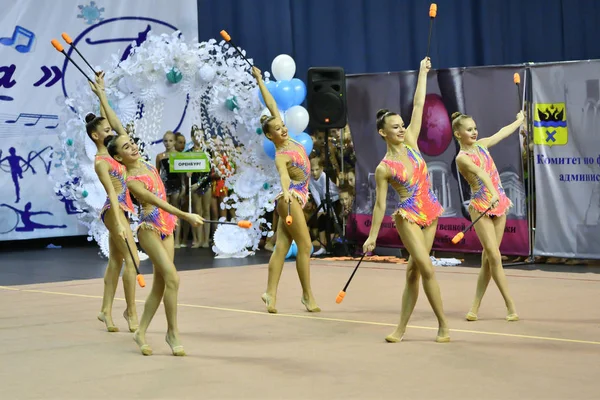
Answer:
(480, 195)
(299, 171)
(116, 172)
(152, 217)
(418, 203)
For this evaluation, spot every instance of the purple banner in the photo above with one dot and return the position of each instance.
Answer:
(489, 95)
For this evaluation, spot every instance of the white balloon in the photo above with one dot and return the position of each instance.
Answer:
(283, 67)
(296, 119)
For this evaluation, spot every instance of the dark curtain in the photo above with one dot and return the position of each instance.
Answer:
(370, 36)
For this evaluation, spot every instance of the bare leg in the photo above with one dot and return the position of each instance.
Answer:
(111, 280)
(411, 290)
(282, 246)
(482, 283)
(165, 287)
(129, 273)
(418, 246)
(489, 231)
(119, 247)
(300, 234)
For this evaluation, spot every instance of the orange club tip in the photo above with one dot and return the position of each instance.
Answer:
(433, 10)
(517, 78)
(141, 281)
(225, 35)
(288, 220)
(57, 45)
(458, 237)
(67, 38)
(245, 224)
(340, 297)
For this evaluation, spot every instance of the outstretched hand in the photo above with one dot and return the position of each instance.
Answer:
(195, 219)
(520, 116)
(256, 73)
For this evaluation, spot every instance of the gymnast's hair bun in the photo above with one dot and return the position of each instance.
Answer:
(89, 118)
(263, 118)
(455, 115)
(382, 112)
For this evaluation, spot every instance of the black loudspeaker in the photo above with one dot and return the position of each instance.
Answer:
(326, 97)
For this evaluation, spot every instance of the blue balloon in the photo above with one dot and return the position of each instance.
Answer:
(269, 148)
(284, 95)
(305, 140)
(271, 85)
(299, 91)
(294, 248)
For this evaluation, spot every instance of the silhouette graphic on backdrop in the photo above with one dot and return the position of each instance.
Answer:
(16, 170)
(28, 224)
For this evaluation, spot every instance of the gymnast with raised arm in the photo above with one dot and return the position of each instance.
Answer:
(158, 219)
(476, 165)
(113, 214)
(416, 218)
(293, 166)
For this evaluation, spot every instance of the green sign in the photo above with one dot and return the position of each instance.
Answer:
(189, 162)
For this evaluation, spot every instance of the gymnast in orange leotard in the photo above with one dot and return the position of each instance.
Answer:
(158, 219)
(113, 214)
(476, 165)
(417, 215)
(293, 166)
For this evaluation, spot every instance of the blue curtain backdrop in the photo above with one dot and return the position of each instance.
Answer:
(370, 36)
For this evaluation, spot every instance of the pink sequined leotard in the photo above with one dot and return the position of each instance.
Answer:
(152, 217)
(480, 195)
(117, 178)
(418, 203)
(299, 171)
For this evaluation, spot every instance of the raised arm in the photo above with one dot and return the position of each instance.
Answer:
(145, 196)
(102, 172)
(105, 109)
(503, 133)
(466, 165)
(413, 130)
(381, 179)
(267, 96)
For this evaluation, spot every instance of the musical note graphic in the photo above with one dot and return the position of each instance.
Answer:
(19, 31)
(37, 118)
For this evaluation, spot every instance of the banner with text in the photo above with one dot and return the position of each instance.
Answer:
(566, 122)
(490, 97)
(35, 80)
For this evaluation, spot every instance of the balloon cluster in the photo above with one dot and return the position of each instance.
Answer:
(289, 93)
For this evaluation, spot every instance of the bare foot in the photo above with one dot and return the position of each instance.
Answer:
(471, 316)
(175, 345)
(141, 342)
(107, 319)
(310, 304)
(395, 337)
(443, 335)
(511, 317)
(132, 320)
(269, 302)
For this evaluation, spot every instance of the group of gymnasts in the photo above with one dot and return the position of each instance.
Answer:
(122, 172)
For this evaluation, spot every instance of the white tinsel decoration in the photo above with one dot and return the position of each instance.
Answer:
(215, 78)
